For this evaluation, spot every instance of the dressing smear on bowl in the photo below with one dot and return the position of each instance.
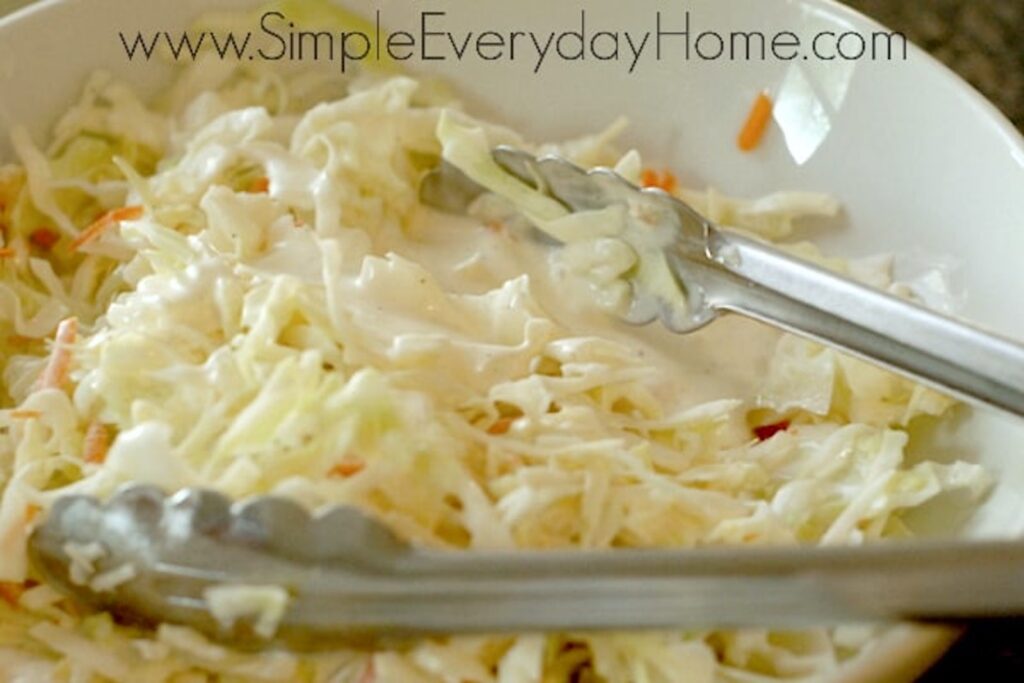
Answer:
(241, 290)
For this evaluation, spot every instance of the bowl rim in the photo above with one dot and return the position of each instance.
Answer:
(904, 651)
(963, 89)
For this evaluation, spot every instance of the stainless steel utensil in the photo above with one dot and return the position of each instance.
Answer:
(721, 271)
(347, 578)
(343, 576)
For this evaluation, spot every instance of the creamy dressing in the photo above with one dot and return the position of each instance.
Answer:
(726, 359)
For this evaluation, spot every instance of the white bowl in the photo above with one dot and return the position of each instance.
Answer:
(920, 161)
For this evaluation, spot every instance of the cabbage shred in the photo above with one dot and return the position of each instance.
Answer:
(269, 325)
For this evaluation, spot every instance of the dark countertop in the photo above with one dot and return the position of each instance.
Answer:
(983, 41)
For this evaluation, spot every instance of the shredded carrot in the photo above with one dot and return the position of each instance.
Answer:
(500, 426)
(11, 592)
(100, 225)
(368, 675)
(31, 512)
(56, 372)
(259, 185)
(346, 468)
(25, 414)
(127, 213)
(757, 123)
(7, 252)
(97, 442)
(44, 238)
(666, 180)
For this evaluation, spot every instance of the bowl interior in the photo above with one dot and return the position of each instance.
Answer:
(923, 166)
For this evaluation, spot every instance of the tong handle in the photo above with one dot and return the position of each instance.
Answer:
(748, 277)
(727, 272)
(347, 579)
(742, 587)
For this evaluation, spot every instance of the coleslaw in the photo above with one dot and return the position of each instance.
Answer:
(237, 287)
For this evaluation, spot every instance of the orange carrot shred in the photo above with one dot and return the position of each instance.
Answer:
(100, 225)
(346, 468)
(757, 123)
(7, 252)
(55, 374)
(25, 414)
(44, 238)
(666, 180)
(97, 442)
(11, 592)
(259, 185)
(500, 426)
(368, 675)
(31, 512)
(127, 213)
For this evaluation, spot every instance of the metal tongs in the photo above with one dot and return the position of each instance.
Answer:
(347, 579)
(723, 272)
(344, 576)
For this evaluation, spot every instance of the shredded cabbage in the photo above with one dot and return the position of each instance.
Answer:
(609, 247)
(282, 315)
(229, 603)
